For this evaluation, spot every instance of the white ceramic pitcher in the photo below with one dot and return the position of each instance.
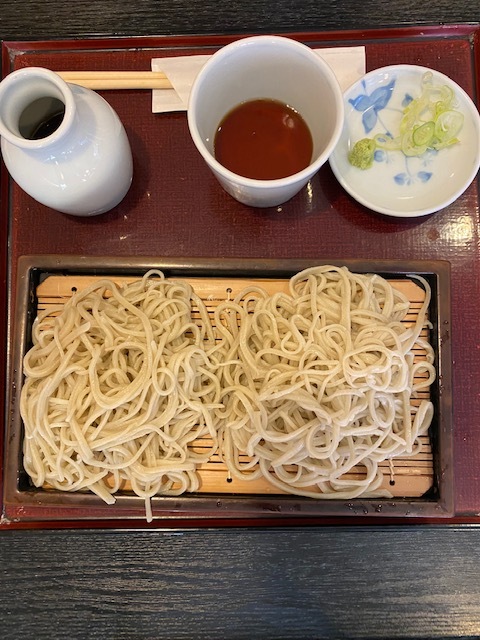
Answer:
(63, 144)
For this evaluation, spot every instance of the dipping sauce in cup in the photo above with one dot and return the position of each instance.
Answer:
(265, 70)
(263, 139)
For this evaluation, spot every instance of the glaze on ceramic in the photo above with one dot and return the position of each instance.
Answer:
(82, 168)
(398, 185)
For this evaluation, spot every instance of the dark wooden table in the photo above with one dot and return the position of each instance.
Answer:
(376, 581)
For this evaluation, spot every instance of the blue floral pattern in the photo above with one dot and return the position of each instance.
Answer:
(397, 185)
(370, 106)
(407, 178)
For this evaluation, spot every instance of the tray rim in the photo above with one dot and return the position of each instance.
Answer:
(12, 48)
(432, 30)
(23, 505)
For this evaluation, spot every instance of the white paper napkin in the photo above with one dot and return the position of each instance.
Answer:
(348, 64)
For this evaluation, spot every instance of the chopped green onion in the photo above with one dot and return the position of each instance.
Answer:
(429, 122)
(422, 136)
(409, 148)
(448, 125)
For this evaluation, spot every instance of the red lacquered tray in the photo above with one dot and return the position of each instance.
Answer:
(176, 208)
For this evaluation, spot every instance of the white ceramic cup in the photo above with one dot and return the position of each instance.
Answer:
(270, 67)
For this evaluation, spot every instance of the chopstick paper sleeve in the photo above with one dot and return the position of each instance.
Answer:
(348, 64)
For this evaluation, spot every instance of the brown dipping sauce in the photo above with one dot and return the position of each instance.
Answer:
(263, 139)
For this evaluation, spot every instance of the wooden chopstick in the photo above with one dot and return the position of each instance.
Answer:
(117, 79)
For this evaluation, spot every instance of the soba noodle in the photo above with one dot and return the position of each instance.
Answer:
(310, 389)
(118, 385)
(319, 383)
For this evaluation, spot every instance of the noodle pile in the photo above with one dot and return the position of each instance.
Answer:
(118, 386)
(310, 386)
(319, 382)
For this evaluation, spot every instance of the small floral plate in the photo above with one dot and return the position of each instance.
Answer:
(397, 185)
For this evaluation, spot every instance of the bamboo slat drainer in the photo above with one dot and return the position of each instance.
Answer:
(404, 476)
